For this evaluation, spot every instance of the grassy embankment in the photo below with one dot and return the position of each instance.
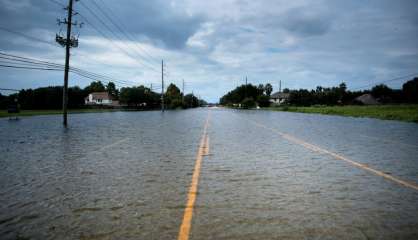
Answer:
(3, 113)
(404, 112)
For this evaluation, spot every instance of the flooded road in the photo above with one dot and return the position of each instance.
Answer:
(262, 175)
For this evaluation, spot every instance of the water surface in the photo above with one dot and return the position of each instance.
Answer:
(125, 175)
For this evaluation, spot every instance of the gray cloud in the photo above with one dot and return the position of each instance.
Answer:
(156, 21)
(304, 22)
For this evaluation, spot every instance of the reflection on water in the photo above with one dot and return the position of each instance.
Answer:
(126, 175)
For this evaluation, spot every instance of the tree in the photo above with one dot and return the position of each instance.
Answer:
(173, 96)
(238, 94)
(190, 101)
(49, 98)
(341, 92)
(410, 91)
(343, 87)
(112, 90)
(173, 91)
(139, 97)
(248, 103)
(268, 88)
(3, 101)
(250, 93)
(261, 89)
(202, 102)
(263, 101)
(381, 90)
(95, 86)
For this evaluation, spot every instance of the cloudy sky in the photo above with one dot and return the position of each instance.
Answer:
(213, 45)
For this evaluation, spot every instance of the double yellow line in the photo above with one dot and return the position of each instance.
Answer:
(191, 196)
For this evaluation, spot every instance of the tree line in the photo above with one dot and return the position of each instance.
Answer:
(250, 95)
(137, 97)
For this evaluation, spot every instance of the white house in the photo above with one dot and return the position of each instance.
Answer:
(279, 98)
(99, 98)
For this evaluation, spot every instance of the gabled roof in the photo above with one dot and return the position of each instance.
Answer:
(367, 99)
(101, 95)
(280, 95)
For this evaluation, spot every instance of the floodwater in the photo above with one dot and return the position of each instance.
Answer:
(126, 175)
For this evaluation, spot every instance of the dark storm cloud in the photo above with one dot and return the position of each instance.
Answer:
(155, 21)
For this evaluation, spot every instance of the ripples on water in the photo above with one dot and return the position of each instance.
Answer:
(126, 176)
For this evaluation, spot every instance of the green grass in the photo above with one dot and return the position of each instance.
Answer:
(404, 112)
(3, 113)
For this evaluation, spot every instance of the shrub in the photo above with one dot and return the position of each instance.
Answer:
(263, 101)
(248, 103)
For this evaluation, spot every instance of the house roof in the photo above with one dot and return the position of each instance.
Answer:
(280, 95)
(367, 99)
(101, 95)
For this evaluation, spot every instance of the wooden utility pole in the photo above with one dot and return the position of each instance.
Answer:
(162, 83)
(191, 102)
(246, 81)
(67, 62)
(68, 43)
(182, 95)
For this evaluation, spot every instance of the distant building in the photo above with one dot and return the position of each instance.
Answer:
(366, 99)
(100, 98)
(279, 98)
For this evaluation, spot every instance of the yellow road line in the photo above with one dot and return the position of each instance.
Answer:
(191, 196)
(339, 157)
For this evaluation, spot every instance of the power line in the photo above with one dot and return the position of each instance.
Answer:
(46, 42)
(386, 81)
(32, 61)
(103, 34)
(127, 36)
(113, 33)
(27, 61)
(111, 41)
(34, 64)
(26, 36)
(31, 68)
(56, 69)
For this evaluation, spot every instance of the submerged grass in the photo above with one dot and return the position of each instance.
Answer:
(402, 112)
